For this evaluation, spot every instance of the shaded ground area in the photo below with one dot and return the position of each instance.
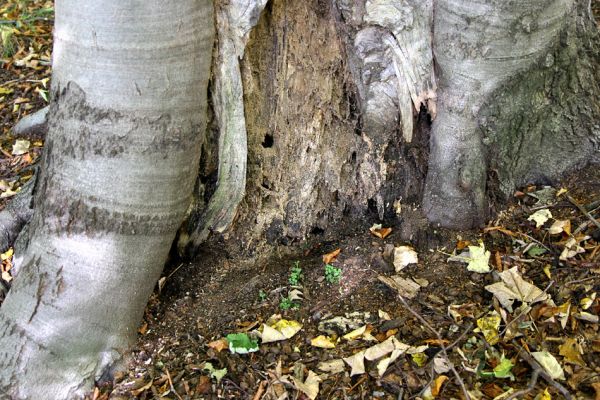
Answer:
(202, 302)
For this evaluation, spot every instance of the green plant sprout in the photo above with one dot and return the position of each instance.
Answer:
(295, 274)
(332, 274)
(287, 304)
(262, 295)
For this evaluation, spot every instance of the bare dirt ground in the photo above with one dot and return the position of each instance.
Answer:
(202, 302)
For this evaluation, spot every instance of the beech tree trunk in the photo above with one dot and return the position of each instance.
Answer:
(125, 129)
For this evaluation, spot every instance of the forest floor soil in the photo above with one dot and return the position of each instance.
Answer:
(200, 303)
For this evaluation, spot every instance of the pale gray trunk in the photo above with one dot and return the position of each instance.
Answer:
(502, 112)
(125, 128)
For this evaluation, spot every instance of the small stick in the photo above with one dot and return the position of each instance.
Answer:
(529, 388)
(261, 390)
(439, 337)
(583, 211)
(546, 376)
(171, 384)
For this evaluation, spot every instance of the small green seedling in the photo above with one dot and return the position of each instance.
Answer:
(332, 274)
(287, 304)
(295, 274)
(262, 295)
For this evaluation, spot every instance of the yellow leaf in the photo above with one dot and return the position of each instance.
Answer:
(7, 254)
(436, 386)
(489, 327)
(323, 342)
(571, 351)
(420, 359)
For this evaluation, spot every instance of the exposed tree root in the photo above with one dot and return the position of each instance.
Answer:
(33, 126)
(16, 214)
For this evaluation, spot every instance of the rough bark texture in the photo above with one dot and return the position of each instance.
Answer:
(338, 96)
(125, 130)
(310, 161)
(517, 100)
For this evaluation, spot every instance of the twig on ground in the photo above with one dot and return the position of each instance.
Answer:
(439, 337)
(529, 388)
(260, 391)
(171, 385)
(583, 211)
(540, 370)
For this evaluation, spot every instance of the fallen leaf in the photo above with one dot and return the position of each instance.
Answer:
(419, 358)
(441, 365)
(333, 366)
(278, 330)
(489, 325)
(572, 248)
(503, 369)
(20, 147)
(323, 342)
(355, 334)
(545, 395)
(329, 257)
(571, 351)
(492, 390)
(403, 256)
(479, 259)
(560, 226)
(218, 374)
(383, 315)
(310, 386)
(436, 386)
(405, 287)
(550, 364)
(7, 254)
(381, 349)
(356, 362)
(219, 345)
(241, 343)
(380, 232)
(513, 287)
(540, 217)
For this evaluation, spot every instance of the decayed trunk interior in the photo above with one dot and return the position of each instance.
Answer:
(311, 162)
(329, 136)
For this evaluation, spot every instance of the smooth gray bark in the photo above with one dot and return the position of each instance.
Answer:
(483, 51)
(125, 129)
(234, 20)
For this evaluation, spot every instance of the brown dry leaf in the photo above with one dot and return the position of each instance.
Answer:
(380, 232)
(436, 342)
(141, 390)
(329, 257)
(492, 390)
(462, 244)
(203, 386)
(219, 345)
(571, 351)
(596, 386)
(436, 386)
(143, 329)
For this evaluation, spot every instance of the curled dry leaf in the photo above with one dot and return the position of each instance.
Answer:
(380, 232)
(330, 257)
(310, 386)
(540, 217)
(219, 345)
(513, 287)
(404, 256)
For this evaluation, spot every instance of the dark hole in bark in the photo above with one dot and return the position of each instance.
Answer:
(307, 150)
(372, 205)
(268, 142)
(317, 231)
(353, 156)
